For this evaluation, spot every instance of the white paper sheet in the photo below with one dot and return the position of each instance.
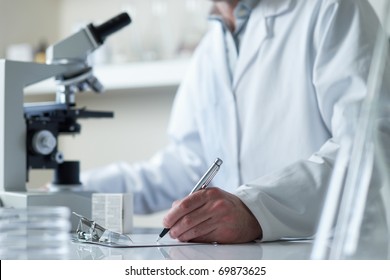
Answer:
(144, 240)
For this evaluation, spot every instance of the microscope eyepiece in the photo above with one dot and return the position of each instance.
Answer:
(101, 32)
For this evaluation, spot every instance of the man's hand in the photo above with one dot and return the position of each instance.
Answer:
(212, 215)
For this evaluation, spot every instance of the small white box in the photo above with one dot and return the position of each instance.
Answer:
(113, 211)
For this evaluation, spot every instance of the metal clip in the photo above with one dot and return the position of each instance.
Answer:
(91, 232)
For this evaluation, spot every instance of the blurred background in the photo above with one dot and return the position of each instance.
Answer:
(161, 29)
(141, 67)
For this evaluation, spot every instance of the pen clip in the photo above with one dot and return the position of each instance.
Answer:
(207, 182)
(208, 176)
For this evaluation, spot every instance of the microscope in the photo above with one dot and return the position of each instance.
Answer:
(29, 132)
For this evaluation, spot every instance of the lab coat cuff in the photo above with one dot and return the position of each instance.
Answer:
(258, 210)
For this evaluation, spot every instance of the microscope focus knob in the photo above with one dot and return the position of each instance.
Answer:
(44, 142)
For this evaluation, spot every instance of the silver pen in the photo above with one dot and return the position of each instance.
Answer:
(202, 184)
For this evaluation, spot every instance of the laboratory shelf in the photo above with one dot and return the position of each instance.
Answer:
(135, 75)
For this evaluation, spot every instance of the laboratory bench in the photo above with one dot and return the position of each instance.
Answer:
(294, 249)
(281, 250)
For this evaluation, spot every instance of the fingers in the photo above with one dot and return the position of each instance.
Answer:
(202, 232)
(192, 225)
(212, 215)
(195, 215)
(183, 207)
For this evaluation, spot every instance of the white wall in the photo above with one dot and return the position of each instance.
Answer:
(154, 33)
(25, 21)
(158, 29)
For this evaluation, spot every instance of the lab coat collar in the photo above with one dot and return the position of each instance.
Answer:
(272, 8)
(257, 31)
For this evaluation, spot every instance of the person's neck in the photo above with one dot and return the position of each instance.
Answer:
(226, 10)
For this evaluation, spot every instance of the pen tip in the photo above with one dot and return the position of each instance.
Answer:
(158, 239)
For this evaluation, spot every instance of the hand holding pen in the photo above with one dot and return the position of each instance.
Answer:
(202, 183)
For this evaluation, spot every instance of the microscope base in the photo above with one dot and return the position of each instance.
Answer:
(79, 202)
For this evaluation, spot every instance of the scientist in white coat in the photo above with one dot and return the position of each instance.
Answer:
(272, 88)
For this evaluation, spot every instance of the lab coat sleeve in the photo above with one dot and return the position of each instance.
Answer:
(170, 174)
(288, 203)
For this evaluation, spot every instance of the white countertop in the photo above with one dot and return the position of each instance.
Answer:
(282, 250)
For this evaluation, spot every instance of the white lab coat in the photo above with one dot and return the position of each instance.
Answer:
(296, 90)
